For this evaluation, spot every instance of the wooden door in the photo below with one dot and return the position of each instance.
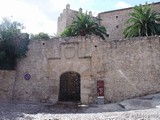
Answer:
(69, 87)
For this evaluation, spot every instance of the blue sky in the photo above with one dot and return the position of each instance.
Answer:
(117, 4)
(41, 15)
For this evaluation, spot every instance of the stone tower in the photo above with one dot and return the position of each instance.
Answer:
(65, 18)
(113, 21)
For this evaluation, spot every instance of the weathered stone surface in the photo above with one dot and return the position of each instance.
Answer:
(65, 19)
(7, 80)
(129, 68)
(114, 21)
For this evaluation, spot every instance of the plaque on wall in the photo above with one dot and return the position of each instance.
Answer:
(100, 88)
(100, 92)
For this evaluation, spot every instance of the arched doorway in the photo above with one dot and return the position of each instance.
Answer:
(69, 87)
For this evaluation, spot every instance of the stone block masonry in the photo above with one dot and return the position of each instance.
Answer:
(65, 19)
(129, 68)
(114, 21)
(7, 80)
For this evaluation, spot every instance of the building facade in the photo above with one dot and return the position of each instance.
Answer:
(114, 21)
(67, 69)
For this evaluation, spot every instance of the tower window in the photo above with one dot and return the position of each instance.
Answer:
(116, 16)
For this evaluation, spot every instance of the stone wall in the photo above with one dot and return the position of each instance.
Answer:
(45, 62)
(7, 80)
(114, 21)
(129, 68)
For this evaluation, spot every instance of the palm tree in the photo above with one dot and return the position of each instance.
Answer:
(142, 22)
(84, 25)
(68, 31)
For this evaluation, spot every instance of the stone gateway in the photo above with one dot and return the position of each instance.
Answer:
(69, 87)
(67, 70)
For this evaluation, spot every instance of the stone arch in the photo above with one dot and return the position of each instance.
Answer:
(69, 89)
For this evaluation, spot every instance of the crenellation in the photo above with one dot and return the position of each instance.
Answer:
(114, 21)
(80, 10)
(67, 6)
(129, 67)
(66, 18)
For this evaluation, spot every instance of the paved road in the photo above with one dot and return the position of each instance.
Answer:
(145, 108)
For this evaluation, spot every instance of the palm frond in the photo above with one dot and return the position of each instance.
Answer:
(83, 24)
(142, 22)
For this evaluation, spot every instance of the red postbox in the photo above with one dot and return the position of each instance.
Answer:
(100, 88)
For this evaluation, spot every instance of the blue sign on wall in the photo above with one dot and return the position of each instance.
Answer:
(27, 76)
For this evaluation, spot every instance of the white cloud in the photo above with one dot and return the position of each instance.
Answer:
(31, 16)
(36, 16)
(122, 4)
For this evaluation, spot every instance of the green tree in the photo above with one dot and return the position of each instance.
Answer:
(13, 43)
(68, 31)
(142, 22)
(158, 24)
(83, 25)
(40, 36)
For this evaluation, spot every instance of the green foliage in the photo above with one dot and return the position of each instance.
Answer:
(83, 25)
(13, 43)
(40, 36)
(158, 24)
(142, 22)
(68, 31)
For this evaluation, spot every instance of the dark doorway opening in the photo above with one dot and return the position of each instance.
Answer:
(69, 87)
